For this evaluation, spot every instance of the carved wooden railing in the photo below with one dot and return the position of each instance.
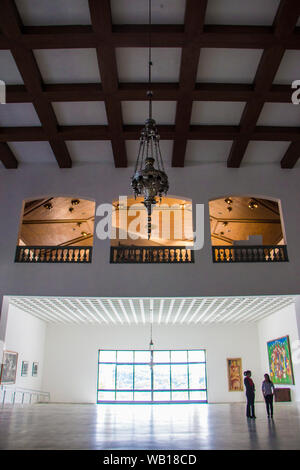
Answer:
(54, 254)
(151, 254)
(249, 254)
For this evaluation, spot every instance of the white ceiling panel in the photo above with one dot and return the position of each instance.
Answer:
(53, 12)
(133, 64)
(228, 65)
(80, 113)
(68, 65)
(279, 114)
(136, 11)
(289, 69)
(8, 69)
(217, 113)
(92, 151)
(136, 112)
(32, 152)
(166, 147)
(127, 311)
(18, 114)
(262, 152)
(207, 151)
(241, 12)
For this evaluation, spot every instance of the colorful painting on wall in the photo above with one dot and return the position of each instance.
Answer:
(9, 367)
(280, 361)
(235, 377)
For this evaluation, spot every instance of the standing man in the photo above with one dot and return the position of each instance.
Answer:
(250, 394)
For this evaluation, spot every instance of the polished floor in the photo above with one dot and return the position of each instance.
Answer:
(160, 427)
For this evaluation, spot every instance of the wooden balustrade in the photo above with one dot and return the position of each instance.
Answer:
(53, 254)
(249, 254)
(151, 254)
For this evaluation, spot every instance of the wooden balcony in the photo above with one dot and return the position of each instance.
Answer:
(151, 254)
(54, 254)
(249, 254)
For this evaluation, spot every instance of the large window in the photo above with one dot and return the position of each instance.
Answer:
(158, 376)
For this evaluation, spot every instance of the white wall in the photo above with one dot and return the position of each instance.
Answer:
(104, 183)
(71, 355)
(280, 324)
(25, 335)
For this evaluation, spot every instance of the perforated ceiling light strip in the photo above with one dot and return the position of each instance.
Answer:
(275, 306)
(246, 311)
(96, 311)
(165, 310)
(196, 311)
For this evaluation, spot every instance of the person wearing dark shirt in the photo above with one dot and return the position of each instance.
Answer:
(250, 394)
(268, 391)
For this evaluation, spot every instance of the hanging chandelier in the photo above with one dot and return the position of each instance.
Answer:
(149, 179)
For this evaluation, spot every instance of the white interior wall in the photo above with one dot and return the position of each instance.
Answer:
(25, 335)
(280, 324)
(71, 355)
(103, 183)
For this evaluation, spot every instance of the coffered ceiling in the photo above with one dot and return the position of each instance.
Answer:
(76, 76)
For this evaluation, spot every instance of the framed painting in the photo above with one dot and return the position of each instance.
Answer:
(24, 369)
(235, 375)
(9, 367)
(35, 369)
(280, 361)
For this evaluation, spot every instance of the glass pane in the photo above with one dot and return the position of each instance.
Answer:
(125, 356)
(197, 375)
(107, 376)
(142, 356)
(197, 356)
(161, 377)
(107, 356)
(106, 396)
(124, 396)
(179, 376)
(161, 356)
(142, 377)
(179, 356)
(161, 396)
(125, 377)
(180, 396)
(198, 396)
(142, 396)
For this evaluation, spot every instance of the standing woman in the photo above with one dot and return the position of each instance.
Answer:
(250, 394)
(268, 391)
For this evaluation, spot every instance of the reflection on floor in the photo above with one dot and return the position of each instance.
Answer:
(213, 426)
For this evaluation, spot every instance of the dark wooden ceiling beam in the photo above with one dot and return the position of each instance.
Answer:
(291, 156)
(107, 62)
(283, 26)
(61, 37)
(12, 27)
(68, 92)
(132, 132)
(7, 157)
(194, 24)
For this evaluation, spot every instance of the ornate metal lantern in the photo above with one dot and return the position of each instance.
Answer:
(149, 179)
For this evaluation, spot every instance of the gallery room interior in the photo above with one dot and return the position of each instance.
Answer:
(149, 200)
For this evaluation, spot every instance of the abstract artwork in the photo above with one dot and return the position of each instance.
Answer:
(235, 377)
(9, 367)
(280, 361)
